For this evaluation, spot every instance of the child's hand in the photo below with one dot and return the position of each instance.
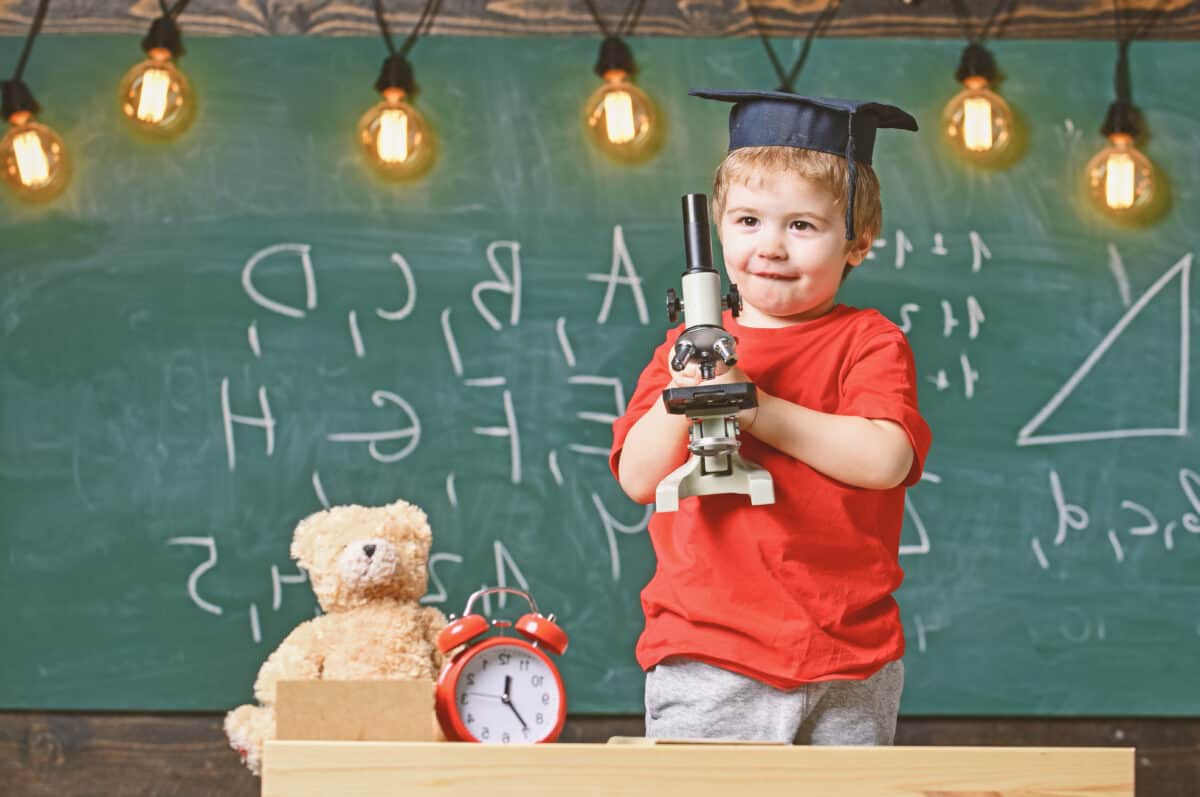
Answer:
(690, 375)
(723, 375)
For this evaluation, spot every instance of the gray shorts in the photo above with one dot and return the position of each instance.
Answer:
(687, 699)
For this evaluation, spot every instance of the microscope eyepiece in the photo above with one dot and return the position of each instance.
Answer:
(697, 244)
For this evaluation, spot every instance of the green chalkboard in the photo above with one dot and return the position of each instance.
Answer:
(149, 316)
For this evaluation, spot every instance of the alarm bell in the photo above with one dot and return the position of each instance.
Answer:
(534, 626)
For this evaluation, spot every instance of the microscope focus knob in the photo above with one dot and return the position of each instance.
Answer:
(674, 305)
(733, 300)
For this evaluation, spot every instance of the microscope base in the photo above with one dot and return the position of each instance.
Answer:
(726, 473)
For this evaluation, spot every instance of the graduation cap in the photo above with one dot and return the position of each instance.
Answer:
(781, 119)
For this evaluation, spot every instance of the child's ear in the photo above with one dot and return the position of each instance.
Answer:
(857, 249)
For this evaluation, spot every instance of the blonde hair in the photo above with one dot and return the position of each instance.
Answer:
(750, 165)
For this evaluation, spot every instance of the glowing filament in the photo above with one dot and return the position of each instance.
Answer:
(32, 164)
(1118, 181)
(977, 124)
(618, 117)
(392, 143)
(152, 103)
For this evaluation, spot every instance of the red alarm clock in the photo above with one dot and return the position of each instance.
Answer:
(501, 690)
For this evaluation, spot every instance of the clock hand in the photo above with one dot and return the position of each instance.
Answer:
(484, 694)
(514, 710)
(506, 699)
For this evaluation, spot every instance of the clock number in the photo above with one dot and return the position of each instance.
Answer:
(537, 680)
(539, 719)
(470, 679)
(545, 698)
(505, 738)
(504, 658)
(462, 699)
(487, 733)
(524, 665)
(485, 664)
(471, 719)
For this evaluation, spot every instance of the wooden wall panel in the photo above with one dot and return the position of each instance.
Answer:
(1033, 19)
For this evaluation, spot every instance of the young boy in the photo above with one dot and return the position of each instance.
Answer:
(777, 622)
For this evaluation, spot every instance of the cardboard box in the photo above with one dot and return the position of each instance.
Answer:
(378, 711)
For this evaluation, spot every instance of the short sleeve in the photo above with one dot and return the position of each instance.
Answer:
(650, 385)
(881, 384)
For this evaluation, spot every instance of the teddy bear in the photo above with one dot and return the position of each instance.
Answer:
(367, 566)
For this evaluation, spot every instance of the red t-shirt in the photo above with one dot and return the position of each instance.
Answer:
(799, 590)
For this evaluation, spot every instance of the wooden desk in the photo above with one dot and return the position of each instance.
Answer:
(367, 769)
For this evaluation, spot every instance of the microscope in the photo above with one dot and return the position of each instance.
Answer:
(715, 465)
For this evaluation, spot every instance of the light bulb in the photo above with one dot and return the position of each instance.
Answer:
(395, 137)
(1120, 179)
(979, 123)
(156, 98)
(621, 118)
(33, 159)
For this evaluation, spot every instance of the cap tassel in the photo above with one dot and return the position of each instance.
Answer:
(853, 170)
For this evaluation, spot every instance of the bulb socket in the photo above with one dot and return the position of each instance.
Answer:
(396, 73)
(164, 33)
(614, 54)
(976, 61)
(16, 97)
(1122, 117)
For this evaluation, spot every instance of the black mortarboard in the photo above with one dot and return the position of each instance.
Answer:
(782, 119)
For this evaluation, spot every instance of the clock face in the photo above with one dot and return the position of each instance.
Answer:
(508, 694)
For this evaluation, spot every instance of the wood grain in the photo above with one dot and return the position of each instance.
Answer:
(1033, 19)
(367, 769)
(122, 755)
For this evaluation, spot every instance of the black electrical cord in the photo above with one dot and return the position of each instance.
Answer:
(629, 19)
(173, 12)
(36, 28)
(820, 25)
(396, 71)
(422, 27)
(977, 60)
(15, 96)
(1123, 116)
(964, 19)
(615, 54)
(1148, 22)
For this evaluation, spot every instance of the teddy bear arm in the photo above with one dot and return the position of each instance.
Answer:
(435, 621)
(296, 659)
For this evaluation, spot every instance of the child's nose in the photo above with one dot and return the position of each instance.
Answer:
(772, 248)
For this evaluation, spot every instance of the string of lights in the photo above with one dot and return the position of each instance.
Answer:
(155, 96)
(32, 155)
(619, 117)
(397, 142)
(979, 125)
(395, 137)
(1121, 180)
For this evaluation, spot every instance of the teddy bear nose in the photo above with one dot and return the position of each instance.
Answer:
(369, 550)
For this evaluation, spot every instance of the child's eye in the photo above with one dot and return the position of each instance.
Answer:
(747, 221)
(801, 225)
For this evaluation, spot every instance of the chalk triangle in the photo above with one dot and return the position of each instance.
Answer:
(1176, 425)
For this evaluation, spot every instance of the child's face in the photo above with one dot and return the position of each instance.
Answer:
(785, 248)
